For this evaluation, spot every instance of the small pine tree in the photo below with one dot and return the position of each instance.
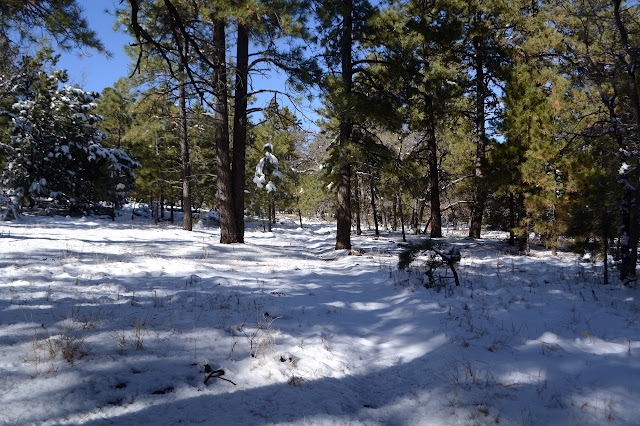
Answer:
(269, 177)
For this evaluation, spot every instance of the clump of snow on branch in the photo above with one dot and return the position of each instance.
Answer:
(267, 169)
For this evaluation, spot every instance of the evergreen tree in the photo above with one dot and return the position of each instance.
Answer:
(153, 140)
(486, 24)
(203, 26)
(279, 132)
(421, 76)
(55, 150)
(602, 55)
(115, 105)
(343, 27)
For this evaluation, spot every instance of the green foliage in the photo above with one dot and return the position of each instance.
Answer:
(62, 19)
(55, 148)
(408, 255)
(153, 141)
(437, 258)
(273, 183)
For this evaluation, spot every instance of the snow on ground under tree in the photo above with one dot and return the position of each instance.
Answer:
(114, 322)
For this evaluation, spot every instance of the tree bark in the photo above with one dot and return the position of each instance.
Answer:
(373, 206)
(221, 125)
(629, 232)
(434, 181)
(356, 192)
(477, 207)
(240, 131)
(512, 221)
(343, 215)
(187, 221)
(404, 235)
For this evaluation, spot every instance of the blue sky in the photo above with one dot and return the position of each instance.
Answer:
(94, 71)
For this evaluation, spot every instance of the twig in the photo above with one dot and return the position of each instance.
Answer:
(217, 374)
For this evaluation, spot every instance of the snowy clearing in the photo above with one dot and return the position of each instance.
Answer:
(115, 322)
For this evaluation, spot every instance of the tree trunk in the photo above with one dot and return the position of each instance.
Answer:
(605, 240)
(629, 232)
(356, 192)
(221, 125)
(404, 235)
(434, 181)
(512, 221)
(523, 227)
(343, 216)
(240, 132)
(270, 211)
(477, 207)
(420, 216)
(394, 215)
(187, 221)
(373, 206)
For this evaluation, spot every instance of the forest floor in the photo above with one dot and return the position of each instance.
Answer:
(120, 322)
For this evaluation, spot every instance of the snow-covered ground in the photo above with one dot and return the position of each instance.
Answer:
(115, 322)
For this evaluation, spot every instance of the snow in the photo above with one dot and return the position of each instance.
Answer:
(309, 335)
(271, 187)
(624, 168)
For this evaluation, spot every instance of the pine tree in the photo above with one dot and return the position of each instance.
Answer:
(343, 25)
(115, 106)
(421, 74)
(55, 149)
(485, 25)
(153, 140)
(602, 55)
(204, 26)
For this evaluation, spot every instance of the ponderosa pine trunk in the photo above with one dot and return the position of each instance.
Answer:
(187, 220)
(373, 206)
(221, 126)
(630, 211)
(477, 206)
(434, 180)
(343, 214)
(240, 132)
(356, 192)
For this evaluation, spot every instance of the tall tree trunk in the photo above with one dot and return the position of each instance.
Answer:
(343, 216)
(221, 125)
(187, 221)
(477, 207)
(240, 131)
(630, 210)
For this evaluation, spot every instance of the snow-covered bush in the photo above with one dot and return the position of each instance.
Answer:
(55, 150)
